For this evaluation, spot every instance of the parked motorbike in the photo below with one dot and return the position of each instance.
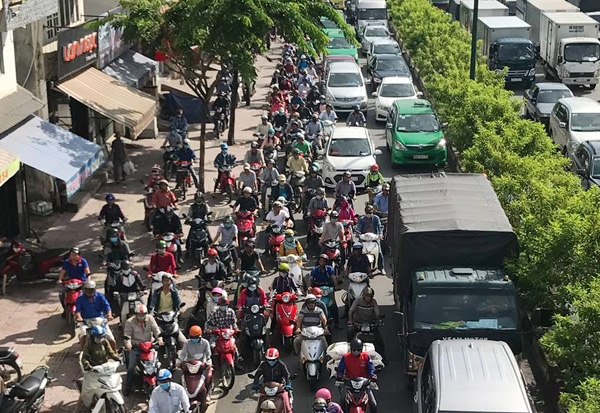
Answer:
(285, 315)
(354, 391)
(276, 237)
(358, 281)
(312, 354)
(168, 323)
(370, 242)
(254, 325)
(72, 292)
(227, 182)
(198, 239)
(245, 225)
(146, 367)
(196, 385)
(224, 353)
(11, 366)
(316, 223)
(183, 177)
(102, 382)
(28, 395)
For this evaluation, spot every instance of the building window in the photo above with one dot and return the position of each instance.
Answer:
(67, 15)
(52, 23)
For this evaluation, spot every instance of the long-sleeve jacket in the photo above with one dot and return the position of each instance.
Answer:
(155, 302)
(95, 354)
(136, 332)
(111, 213)
(164, 224)
(375, 223)
(196, 351)
(278, 373)
(220, 274)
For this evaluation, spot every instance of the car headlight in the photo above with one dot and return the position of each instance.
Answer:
(329, 97)
(574, 144)
(597, 73)
(441, 144)
(399, 146)
(531, 72)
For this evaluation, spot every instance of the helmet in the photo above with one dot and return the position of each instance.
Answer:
(369, 291)
(324, 256)
(264, 116)
(217, 290)
(356, 344)
(75, 250)
(272, 353)
(281, 199)
(212, 252)
(271, 131)
(319, 405)
(277, 204)
(323, 393)
(374, 168)
(252, 281)
(310, 297)
(224, 146)
(313, 169)
(357, 108)
(247, 190)
(195, 331)
(357, 246)
(348, 173)
(125, 267)
(369, 209)
(283, 266)
(281, 111)
(268, 405)
(317, 292)
(109, 197)
(164, 374)
(186, 141)
(281, 178)
(98, 331)
(155, 167)
(334, 214)
(161, 244)
(254, 145)
(112, 232)
(320, 191)
(228, 219)
(141, 309)
(289, 231)
(296, 151)
(90, 284)
(199, 197)
(386, 186)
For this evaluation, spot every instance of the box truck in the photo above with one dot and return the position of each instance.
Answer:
(512, 6)
(486, 8)
(506, 44)
(451, 238)
(569, 48)
(533, 10)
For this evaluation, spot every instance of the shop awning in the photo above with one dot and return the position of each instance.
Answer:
(16, 107)
(113, 99)
(9, 165)
(131, 68)
(54, 151)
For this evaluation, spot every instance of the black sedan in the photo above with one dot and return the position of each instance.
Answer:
(387, 66)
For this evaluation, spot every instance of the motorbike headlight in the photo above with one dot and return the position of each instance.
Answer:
(441, 144)
(399, 146)
(254, 309)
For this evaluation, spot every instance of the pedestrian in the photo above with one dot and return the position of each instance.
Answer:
(119, 157)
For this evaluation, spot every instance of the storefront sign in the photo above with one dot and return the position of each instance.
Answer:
(78, 49)
(84, 173)
(20, 13)
(8, 170)
(110, 42)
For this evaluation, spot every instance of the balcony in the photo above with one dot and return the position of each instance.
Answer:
(22, 12)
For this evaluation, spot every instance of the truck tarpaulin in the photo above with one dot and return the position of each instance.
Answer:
(441, 220)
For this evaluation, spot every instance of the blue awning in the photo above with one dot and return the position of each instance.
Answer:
(54, 151)
(133, 69)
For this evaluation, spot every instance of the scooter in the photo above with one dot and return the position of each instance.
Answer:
(170, 159)
(312, 354)
(119, 225)
(257, 168)
(198, 239)
(354, 391)
(370, 242)
(316, 223)
(245, 225)
(295, 271)
(196, 385)
(183, 177)
(275, 392)
(328, 297)
(102, 382)
(146, 368)
(254, 325)
(332, 250)
(227, 182)
(28, 395)
(127, 302)
(168, 323)
(285, 315)
(11, 366)
(328, 128)
(72, 292)
(156, 282)
(219, 121)
(226, 257)
(366, 331)
(297, 183)
(224, 352)
(346, 244)
(276, 237)
(358, 281)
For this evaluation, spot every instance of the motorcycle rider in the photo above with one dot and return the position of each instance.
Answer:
(328, 114)
(154, 176)
(263, 127)
(130, 280)
(365, 310)
(249, 260)
(357, 261)
(374, 177)
(268, 176)
(162, 260)
(197, 348)
(212, 266)
(227, 232)
(255, 154)
(223, 159)
(282, 189)
(92, 304)
(345, 188)
(277, 216)
(180, 123)
(318, 202)
(291, 245)
(371, 223)
(199, 209)
(277, 97)
(332, 230)
(380, 203)
(323, 275)
(173, 140)
(274, 370)
(167, 299)
(310, 316)
(246, 202)
(139, 328)
(303, 146)
(355, 364)
(110, 212)
(314, 127)
(115, 249)
(270, 140)
(345, 210)
(303, 85)
(304, 112)
(313, 180)
(222, 317)
(170, 222)
(187, 154)
(252, 294)
(280, 119)
(303, 63)
(325, 394)
(221, 102)
(282, 282)
(168, 397)
(297, 163)
(164, 197)
(356, 118)
(247, 179)
(74, 267)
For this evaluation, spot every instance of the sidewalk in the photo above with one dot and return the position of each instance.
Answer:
(30, 314)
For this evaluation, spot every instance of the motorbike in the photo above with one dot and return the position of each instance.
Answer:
(73, 289)
(102, 382)
(171, 240)
(224, 353)
(27, 265)
(90, 323)
(354, 391)
(11, 366)
(285, 314)
(119, 225)
(257, 168)
(316, 142)
(312, 354)
(366, 331)
(297, 182)
(28, 395)
(346, 244)
(328, 297)
(370, 242)
(219, 115)
(295, 271)
(168, 323)
(332, 250)
(265, 194)
(316, 223)
(245, 225)
(205, 304)
(127, 302)
(170, 160)
(276, 393)
(254, 325)
(146, 367)
(227, 182)
(328, 127)
(358, 281)
(198, 239)
(242, 283)
(196, 385)
(226, 257)
(183, 177)
(372, 192)
(276, 237)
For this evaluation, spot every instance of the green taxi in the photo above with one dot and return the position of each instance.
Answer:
(414, 134)
(339, 45)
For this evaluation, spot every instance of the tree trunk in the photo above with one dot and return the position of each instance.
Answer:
(202, 157)
(234, 101)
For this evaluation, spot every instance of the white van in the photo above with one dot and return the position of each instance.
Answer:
(470, 375)
(370, 12)
(345, 87)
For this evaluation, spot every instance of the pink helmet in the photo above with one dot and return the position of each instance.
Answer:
(217, 290)
(323, 393)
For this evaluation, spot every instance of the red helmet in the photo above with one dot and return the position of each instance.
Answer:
(212, 252)
(317, 292)
(374, 168)
(272, 353)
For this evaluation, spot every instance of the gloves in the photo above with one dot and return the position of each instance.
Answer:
(288, 386)
(255, 386)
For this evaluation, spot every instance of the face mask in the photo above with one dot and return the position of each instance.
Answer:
(356, 352)
(114, 239)
(141, 317)
(195, 339)
(319, 197)
(289, 239)
(216, 299)
(223, 308)
(161, 251)
(271, 362)
(252, 287)
(227, 226)
(165, 386)
(97, 340)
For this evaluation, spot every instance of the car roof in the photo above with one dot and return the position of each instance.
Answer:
(413, 106)
(389, 57)
(337, 58)
(581, 104)
(382, 40)
(349, 132)
(552, 86)
(395, 80)
(376, 26)
(344, 67)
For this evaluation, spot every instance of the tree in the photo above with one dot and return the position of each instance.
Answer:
(199, 36)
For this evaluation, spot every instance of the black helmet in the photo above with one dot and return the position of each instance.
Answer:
(252, 281)
(356, 345)
(356, 108)
(199, 197)
(112, 232)
(126, 267)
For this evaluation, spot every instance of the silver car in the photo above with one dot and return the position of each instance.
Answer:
(372, 33)
(541, 98)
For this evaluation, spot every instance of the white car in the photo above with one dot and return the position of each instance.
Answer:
(574, 120)
(349, 149)
(372, 33)
(382, 46)
(390, 90)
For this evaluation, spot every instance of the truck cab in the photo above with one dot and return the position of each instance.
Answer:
(453, 303)
(518, 55)
(370, 12)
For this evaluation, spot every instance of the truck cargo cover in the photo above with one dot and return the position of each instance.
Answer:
(453, 220)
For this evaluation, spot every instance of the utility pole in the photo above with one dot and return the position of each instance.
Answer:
(474, 39)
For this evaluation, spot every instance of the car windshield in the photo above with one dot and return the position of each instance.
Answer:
(582, 52)
(585, 122)
(377, 32)
(386, 49)
(350, 147)
(515, 51)
(345, 80)
(397, 90)
(596, 168)
(328, 24)
(438, 311)
(419, 122)
(552, 96)
(339, 43)
(395, 65)
(372, 14)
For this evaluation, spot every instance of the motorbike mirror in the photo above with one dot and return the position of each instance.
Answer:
(181, 305)
(251, 375)
(293, 376)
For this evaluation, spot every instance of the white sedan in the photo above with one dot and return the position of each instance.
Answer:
(391, 90)
(372, 33)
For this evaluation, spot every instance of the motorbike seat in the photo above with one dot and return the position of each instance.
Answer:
(5, 352)
(29, 387)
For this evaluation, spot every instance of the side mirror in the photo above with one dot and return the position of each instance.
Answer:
(181, 305)
(419, 94)
(378, 152)
(388, 125)
(562, 125)
(374, 94)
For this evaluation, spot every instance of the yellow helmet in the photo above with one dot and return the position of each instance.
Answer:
(284, 266)
(289, 232)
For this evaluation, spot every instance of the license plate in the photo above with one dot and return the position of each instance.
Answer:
(420, 156)
(346, 106)
(516, 79)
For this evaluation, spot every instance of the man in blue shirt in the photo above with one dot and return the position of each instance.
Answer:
(180, 123)
(187, 154)
(74, 267)
(380, 203)
(371, 223)
(92, 304)
(323, 275)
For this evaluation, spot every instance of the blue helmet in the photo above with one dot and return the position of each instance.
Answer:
(164, 374)
(224, 146)
(357, 246)
(271, 131)
(109, 197)
(98, 331)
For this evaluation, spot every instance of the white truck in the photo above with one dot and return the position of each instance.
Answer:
(569, 48)
(531, 11)
(487, 8)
